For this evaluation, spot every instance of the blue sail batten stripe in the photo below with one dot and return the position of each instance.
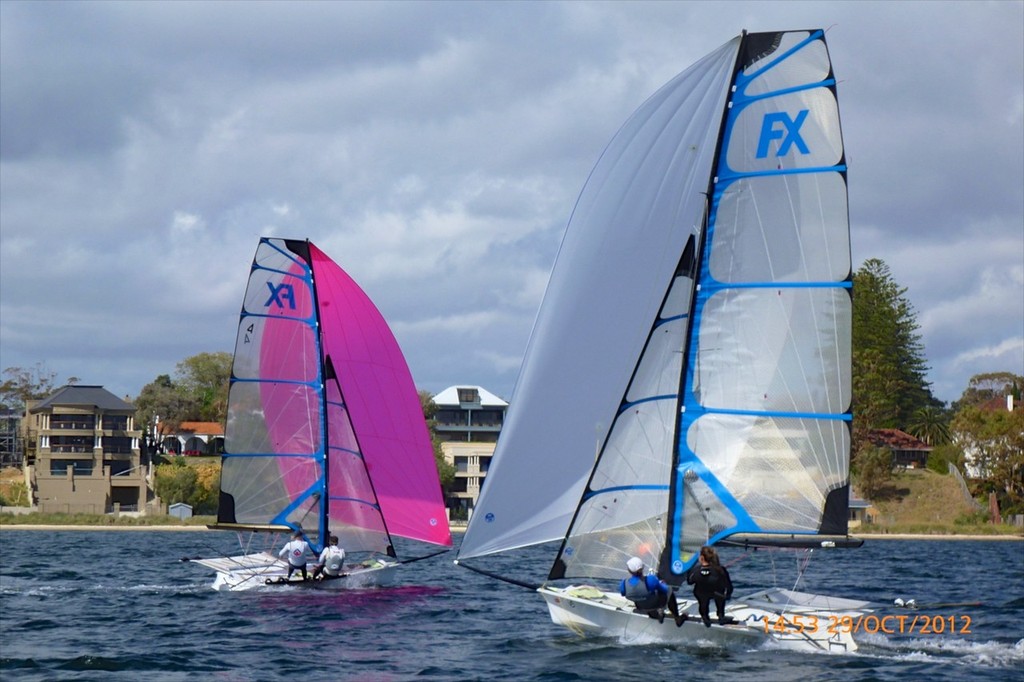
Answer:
(349, 451)
(304, 277)
(653, 398)
(715, 285)
(673, 318)
(621, 488)
(295, 382)
(308, 321)
(360, 500)
(319, 455)
(316, 488)
(729, 177)
(741, 101)
(824, 416)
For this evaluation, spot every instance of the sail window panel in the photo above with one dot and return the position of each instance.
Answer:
(264, 487)
(638, 450)
(603, 551)
(273, 254)
(677, 303)
(358, 524)
(658, 371)
(275, 349)
(782, 228)
(810, 64)
(779, 470)
(348, 478)
(775, 350)
(790, 131)
(272, 418)
(278, 294)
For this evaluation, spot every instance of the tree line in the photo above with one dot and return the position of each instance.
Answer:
(890, 391)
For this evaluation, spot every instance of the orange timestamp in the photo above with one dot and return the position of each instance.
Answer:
(870, 623)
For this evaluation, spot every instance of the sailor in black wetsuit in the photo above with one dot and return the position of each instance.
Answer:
(710, 580)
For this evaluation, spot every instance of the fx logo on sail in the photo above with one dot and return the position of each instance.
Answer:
(279, 295)
(778, 125)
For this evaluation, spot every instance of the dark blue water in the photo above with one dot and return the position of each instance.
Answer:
(109, 605)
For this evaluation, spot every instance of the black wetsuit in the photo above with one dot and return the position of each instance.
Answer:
(707, 584)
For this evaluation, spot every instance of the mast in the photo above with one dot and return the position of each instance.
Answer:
(672, 520)
(302, 249)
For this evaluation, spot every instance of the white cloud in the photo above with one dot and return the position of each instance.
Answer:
(436, 156)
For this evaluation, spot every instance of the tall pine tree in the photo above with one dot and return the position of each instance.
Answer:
(889, 367)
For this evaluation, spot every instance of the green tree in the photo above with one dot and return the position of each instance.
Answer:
(162, 399)
(943, 455)
(930, 424)
(175, 481)
(993, 445)
(206, 495)
(874, 469)
(889, 368)
(205, 378)
(445, 471)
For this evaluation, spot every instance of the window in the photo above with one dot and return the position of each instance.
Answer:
(114, 422)
(469, 395)
(117, 445)
(118, 467)
(68, 444)
(448, 417)
(59, 467)
(72, 421)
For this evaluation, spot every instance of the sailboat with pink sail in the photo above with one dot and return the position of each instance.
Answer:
(325, 431)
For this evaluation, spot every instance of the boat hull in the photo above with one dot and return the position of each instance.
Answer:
(589, 611)
(266, 572)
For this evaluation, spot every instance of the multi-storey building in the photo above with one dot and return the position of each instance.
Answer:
(467, 422)
(84, 451)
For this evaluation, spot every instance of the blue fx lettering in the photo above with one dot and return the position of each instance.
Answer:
(789, 133)
(280, 294)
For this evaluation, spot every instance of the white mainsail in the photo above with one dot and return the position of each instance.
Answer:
(643, 200)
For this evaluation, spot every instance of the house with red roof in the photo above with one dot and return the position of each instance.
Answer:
(907, 451)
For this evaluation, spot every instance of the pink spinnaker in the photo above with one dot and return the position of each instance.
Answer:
(383, 405)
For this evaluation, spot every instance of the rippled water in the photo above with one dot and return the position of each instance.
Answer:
(109, 605)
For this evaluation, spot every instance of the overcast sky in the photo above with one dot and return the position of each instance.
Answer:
(436, 150)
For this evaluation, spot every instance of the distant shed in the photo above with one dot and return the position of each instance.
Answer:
(180, 510)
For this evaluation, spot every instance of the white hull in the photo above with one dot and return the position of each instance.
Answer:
(264, 571)
(591, 612)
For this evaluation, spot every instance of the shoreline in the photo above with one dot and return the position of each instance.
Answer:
(458, 529)
(925, 536)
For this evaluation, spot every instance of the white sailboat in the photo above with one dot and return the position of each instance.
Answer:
(325, 432)
(697, 323)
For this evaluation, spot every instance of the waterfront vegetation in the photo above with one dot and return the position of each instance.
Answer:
(101, 520)
(923, 502)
